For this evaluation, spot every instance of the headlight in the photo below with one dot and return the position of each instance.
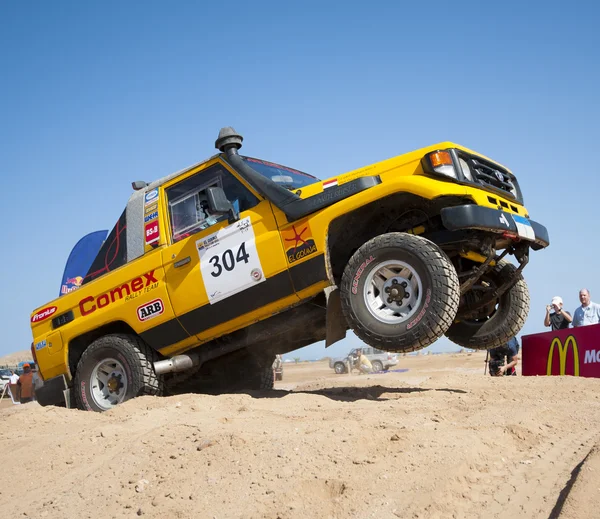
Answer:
(441, 162)
(466, 170)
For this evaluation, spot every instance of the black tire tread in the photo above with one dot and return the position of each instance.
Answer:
(509, 328)
(444, 305)
(144, 355)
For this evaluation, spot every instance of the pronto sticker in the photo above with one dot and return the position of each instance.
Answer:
(40, 345)
(298, 242)
(42, 315)
(150, 310)
(151, 196)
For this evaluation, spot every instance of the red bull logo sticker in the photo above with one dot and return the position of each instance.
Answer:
(71, 284)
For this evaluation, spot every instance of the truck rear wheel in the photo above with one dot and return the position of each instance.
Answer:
(499, 321)
(400, 292)
(113, 369)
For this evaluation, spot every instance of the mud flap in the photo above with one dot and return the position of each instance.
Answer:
(336, 322)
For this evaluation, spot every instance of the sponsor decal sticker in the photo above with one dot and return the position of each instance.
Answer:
(71, 284)
(417, 319)
(40, 345)
(150, 208)
(503, 220)
(42, 315)
(127, 291)
(563, 349)
(150, 310)
(298, 242)
(358, 274)
(151, 216)
(330, 183)
(151, 232)
(151, 197)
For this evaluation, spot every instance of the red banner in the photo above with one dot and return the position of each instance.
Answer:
(574, 351)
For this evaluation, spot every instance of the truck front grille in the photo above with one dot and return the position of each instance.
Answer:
(493, 176)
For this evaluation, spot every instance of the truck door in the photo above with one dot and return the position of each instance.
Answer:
(222, 276)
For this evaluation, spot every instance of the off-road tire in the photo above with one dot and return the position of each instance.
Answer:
(377, 366)
(241, 371)
(252, 376)
(505, 323)
(436, 310)
(338, 370)
(136, 358)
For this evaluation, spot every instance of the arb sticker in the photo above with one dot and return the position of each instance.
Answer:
(150, 310)
(42, 315)
(151, 232)
(298, 242)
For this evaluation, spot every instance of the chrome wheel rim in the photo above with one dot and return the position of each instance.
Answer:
(393, 291)
(108, 383)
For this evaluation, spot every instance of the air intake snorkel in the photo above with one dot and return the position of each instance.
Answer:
(229, 142)
(294, 207)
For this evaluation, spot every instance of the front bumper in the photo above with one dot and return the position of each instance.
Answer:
(52, 392)
(472, 216)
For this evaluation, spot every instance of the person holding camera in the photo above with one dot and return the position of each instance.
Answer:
(556, 316)
(508, 351)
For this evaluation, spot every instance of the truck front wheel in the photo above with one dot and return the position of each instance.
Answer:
(497, 322)
(400, 292)
(115, 368)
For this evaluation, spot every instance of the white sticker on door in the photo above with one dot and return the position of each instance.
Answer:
(229, 262)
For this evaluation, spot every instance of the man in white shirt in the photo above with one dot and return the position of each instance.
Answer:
(588, 313)
(14, 378)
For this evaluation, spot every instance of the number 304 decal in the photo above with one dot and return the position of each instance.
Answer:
(229, 262)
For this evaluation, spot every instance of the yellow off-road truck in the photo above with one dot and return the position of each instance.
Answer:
(212, 271)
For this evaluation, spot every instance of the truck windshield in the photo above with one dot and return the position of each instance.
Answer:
(282, 175)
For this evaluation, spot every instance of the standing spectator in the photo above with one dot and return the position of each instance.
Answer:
(14, 378)
(25, 384)
(588, 312)
(559, 319)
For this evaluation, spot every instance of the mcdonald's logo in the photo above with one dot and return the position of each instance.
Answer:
(562, 355)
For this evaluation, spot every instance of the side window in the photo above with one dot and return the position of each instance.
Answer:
(188, 204)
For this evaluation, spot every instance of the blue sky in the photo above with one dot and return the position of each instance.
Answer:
(95, 95)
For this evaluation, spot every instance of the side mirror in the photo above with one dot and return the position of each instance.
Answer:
(218, 204)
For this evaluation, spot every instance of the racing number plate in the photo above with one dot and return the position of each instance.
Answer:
(229, 262)
(524, 228)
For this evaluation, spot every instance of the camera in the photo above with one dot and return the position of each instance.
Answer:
(495, 366)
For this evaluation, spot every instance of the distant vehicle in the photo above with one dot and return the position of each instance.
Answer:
(4, 378)
(380, 360)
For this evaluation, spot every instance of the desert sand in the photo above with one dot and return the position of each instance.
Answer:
(439, 440)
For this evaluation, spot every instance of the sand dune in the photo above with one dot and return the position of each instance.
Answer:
(439, 440)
